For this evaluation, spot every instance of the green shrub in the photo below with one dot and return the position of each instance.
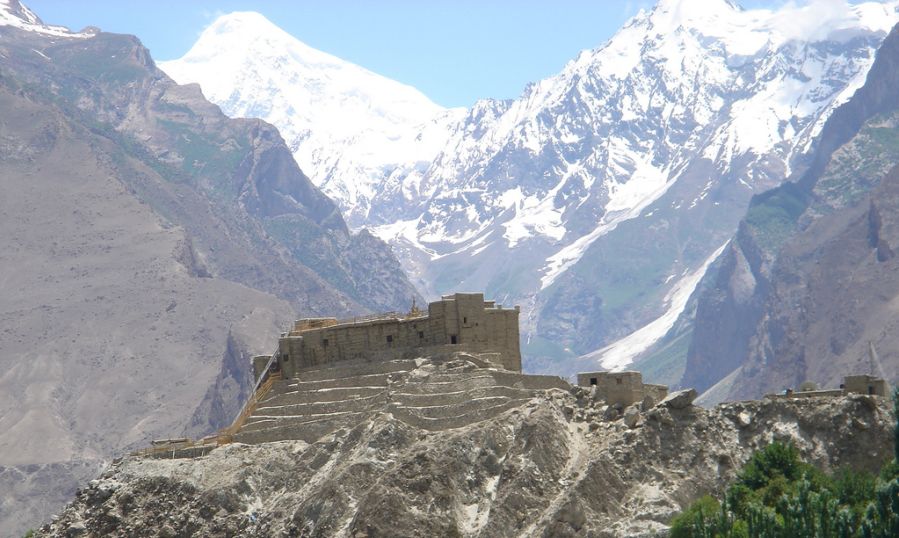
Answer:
(777, 495)
(684, 525)
(773, 461)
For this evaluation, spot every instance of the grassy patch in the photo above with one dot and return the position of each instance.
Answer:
(774, 214)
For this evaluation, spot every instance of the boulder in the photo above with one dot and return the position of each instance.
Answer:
(632, 417)
(610, 413)
(680, 399)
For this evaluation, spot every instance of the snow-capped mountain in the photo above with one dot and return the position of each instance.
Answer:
(348, 128)
(13, 13)
(599, 196)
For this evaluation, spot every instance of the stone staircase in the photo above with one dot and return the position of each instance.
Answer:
(437, 393)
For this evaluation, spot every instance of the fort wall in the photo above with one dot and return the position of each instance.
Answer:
(463, 320)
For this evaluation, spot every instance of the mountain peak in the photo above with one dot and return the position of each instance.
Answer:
(14, 8)
(14, 13)
(745, 31)
(253, 68)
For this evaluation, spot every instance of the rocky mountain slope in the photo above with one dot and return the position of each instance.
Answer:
(348, 128)
(551, 463)
(150, 246)
(597, 198)
(809, 280)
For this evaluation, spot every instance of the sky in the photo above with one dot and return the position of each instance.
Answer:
(454, 51)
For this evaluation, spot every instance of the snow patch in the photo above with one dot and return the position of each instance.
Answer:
(626, 201)
(620, 354)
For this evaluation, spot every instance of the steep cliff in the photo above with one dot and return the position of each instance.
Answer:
(808, 281)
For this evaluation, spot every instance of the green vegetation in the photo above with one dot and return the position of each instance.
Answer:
(860, 165)
(203, 155)
(777, 495)
(773, 215)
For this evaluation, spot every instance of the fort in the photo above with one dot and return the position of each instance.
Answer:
(456, 364)
(458, 322)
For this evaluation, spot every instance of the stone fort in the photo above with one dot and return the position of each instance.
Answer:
(456, 364)
(458, 322)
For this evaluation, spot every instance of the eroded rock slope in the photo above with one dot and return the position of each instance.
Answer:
(552, 463)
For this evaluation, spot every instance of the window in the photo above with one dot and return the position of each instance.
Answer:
(618, 381)
(325, 342)
(592, 380)
(465, 321)
(452, 339)
(870, 389)
(389, 339)
(286, 358)
(421, 335)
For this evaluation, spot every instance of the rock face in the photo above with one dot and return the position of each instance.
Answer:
(150, 245)
(809, 281)
(596, 199)
(548, 465)
(681, 399)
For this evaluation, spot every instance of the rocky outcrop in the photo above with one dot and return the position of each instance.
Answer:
(550, 465)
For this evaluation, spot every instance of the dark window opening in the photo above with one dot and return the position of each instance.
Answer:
(465, 321)
(452, 339)
(870, 389)
(325, 342)
(390, 338)
(421, 335)
(592, 380)
(286, 358)
(618, 381)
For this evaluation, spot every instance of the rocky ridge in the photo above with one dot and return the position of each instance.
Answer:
(554, 464)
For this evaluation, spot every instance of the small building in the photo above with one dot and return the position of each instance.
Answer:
(852, 384)
(864, 384)
(622, 388)
(458, 322)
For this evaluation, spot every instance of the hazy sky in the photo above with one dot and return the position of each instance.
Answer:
(455, 51)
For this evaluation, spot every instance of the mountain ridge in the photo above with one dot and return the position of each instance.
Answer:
(669, 127)
(770, 307)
